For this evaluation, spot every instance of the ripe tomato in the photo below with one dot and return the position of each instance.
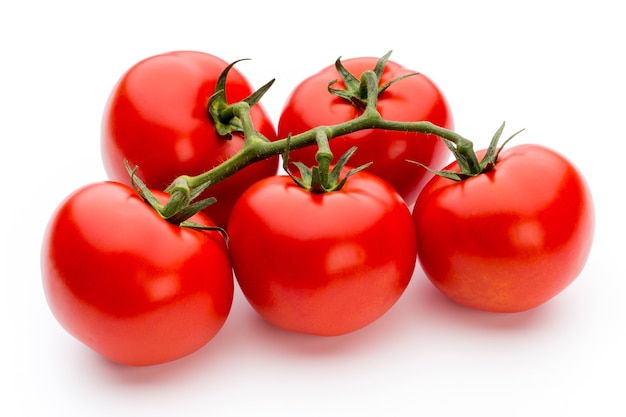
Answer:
(509, 239)
(131, 286)
(415, 98)
(322, 263)
(157, 119)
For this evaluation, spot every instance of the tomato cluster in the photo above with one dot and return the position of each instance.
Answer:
(144, 276)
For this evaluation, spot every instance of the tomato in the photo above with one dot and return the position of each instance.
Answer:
(129, 285)
(157, 119)
(322, 263)
(415, 98)
(509, 239)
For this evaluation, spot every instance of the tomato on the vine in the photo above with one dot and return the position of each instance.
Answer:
(131, 286)
(157, 118)
(414, 98)
(324, 263)
(511, 238)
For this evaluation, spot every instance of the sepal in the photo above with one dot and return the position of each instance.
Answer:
(224, 119)
(179, 208)
(356, 89)
(321, 178)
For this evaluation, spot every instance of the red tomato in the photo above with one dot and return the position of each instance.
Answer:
(157, 118)
(415, 98)
(131, 286)
(322, 263)
(510, 239)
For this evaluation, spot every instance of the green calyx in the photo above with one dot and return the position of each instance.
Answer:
(322, 178)
(223, 114)
(356, 89)
(467, 160)
(180, 206)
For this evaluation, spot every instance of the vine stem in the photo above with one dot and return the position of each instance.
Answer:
(257, 147)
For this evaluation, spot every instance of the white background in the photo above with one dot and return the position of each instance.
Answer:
(555, 68)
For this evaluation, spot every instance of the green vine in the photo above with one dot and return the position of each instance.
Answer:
(364, 92)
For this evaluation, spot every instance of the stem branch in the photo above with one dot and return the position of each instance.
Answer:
(257, 147)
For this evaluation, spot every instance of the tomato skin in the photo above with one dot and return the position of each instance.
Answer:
(415, 98)
(510, 239)
(132, 287)
(157, 118)
(322, 264)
